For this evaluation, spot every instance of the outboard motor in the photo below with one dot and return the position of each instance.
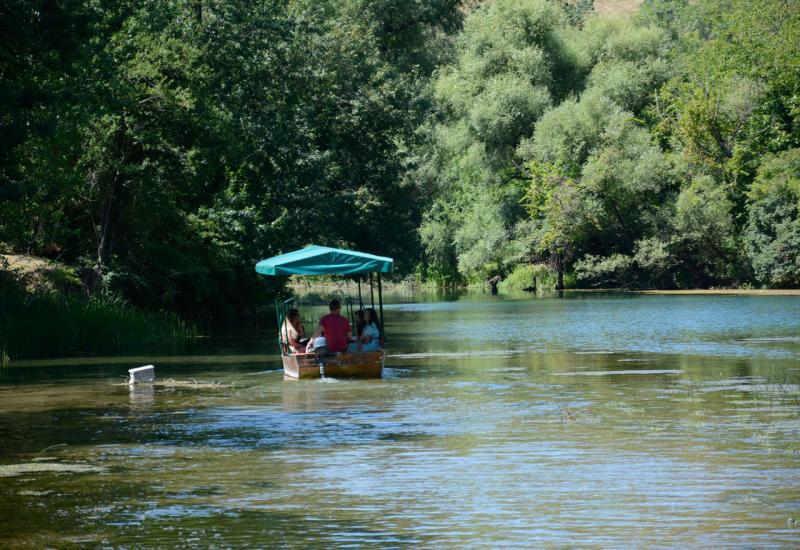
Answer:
(321, 349)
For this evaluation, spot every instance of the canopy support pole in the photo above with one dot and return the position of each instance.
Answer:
(349, 304)
(360, 301)
(371, 292)
(281, 313)
(278, 311)
(380, 305)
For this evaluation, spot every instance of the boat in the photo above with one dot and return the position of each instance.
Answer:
(322, 260)
(364, 364)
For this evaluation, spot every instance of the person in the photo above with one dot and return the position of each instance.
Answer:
(360, 322)
(293, 334)
(370, 339)
(335, 327)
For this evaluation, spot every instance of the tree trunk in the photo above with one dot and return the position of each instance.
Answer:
(105, 238)
(112, 195)
(558, 261)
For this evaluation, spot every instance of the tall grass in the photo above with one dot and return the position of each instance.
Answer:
(56, 325)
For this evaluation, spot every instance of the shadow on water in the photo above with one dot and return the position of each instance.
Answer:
(169, 518)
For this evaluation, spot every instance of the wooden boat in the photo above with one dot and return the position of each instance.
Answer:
(322, 260)
(362, 364)
(301, 365)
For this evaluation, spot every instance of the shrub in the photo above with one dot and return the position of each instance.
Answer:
(614, 270)
(522, 278)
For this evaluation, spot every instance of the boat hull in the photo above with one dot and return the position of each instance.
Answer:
(301, 365)
(364, 364)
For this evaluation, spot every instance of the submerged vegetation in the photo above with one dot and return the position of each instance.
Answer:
(161, 148)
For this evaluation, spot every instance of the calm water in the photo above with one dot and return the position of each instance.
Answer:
(602, 420)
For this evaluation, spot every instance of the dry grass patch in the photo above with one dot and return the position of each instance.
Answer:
(611, 7)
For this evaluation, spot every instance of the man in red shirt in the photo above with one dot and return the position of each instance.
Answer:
(336, 328)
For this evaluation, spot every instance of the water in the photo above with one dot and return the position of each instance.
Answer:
(601, 420)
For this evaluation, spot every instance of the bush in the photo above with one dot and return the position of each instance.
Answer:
(614, 270)
(522, 278)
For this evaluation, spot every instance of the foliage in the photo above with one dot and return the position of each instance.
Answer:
(576, 11)
(166, 147)
(627, 60)
(654, 261)
(614, 270)
(54, 325)
(643, 170)
(566, 135)
(705, 233)
(773, 228)
(162, 148)
(513, 60)
(522, 278)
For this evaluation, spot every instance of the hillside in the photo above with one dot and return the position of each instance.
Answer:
(38, 273)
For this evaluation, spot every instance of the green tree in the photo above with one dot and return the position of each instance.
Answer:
(772, 234)
(513, 60)
(705, 235)
(168, 146)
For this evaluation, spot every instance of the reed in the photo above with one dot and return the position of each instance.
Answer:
(56, 325)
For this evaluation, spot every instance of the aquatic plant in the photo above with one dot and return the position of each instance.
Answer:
(56, 325)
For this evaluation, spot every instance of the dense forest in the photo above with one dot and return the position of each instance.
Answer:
(162, 148)
(653, 150)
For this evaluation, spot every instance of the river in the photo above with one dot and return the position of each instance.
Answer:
(610, 420)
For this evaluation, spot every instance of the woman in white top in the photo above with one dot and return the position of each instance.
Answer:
(371, 337)
(293, 333)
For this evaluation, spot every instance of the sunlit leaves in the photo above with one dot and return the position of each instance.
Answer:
(773, 226)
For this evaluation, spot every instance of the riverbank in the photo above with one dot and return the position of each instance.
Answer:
(697, 291)
(349, 288)
(728, 291)
(45, 313)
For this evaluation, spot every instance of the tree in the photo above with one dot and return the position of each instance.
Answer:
(772, 234)
(704, 239)
(168, 146)
(512, 61)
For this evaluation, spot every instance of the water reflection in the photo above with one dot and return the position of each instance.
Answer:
(700, 325)
(499, 423)
(142, 397)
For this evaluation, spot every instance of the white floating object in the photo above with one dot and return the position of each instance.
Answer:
(146, 373)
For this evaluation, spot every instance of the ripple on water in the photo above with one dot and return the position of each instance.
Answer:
(476, 437)
(619, 372)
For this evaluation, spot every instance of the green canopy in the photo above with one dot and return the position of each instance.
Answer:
(321, 260)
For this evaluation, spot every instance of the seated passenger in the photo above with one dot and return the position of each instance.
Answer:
(336, 328)
(360, 322)
(371, 337)
(293, 333)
